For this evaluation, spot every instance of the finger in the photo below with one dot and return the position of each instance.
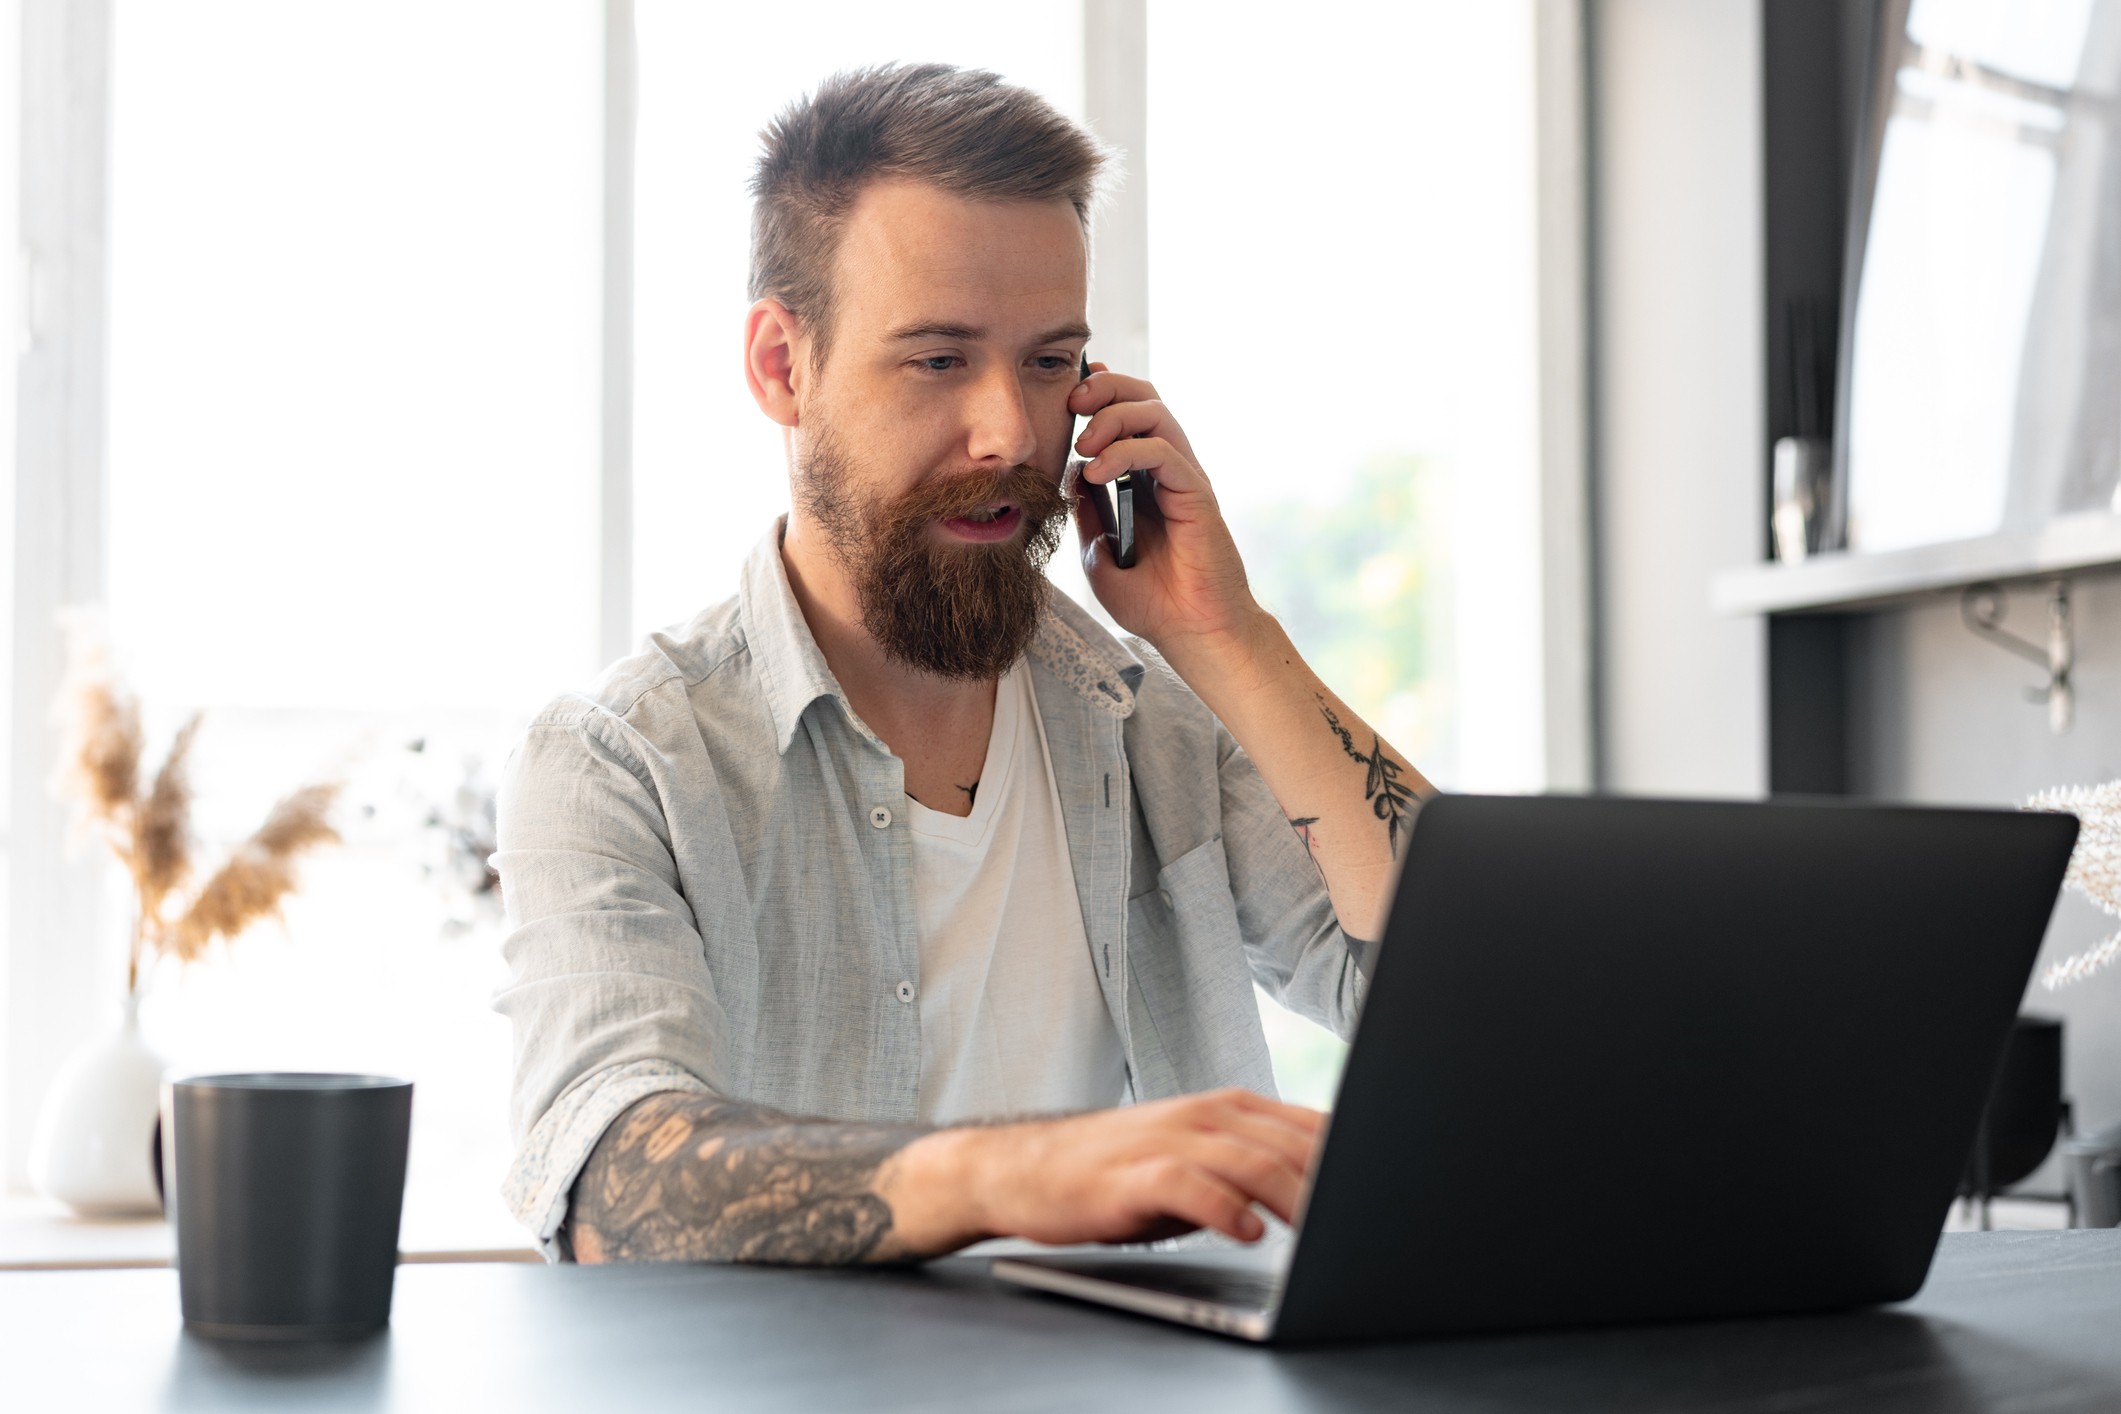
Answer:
(1171, 470)
(1192, 1194)
(1297, 1147)
(1302, 1116)
(1149, 419)
(1255, 1170)
(1103, 388)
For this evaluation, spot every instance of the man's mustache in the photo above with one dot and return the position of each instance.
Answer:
(1035, 492)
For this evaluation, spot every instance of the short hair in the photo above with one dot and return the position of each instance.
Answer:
(963, 130)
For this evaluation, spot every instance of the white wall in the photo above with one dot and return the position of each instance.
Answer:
(1677, 385)
(1939, 716)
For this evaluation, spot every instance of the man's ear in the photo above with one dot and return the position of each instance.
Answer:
(773, 360)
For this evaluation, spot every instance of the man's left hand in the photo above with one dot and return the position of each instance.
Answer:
(1186, 592)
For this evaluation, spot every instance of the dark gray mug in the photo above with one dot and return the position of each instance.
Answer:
(285, 1192)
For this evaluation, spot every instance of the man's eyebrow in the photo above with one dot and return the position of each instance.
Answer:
(972, 334)
(1075, 329)
(936, 330)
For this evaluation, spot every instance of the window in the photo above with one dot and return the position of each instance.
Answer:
(1986, 316)
(13, 331)
(352, 471)
(356, 438)
(1342, 282)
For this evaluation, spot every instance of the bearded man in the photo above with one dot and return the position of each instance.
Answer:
(895, 904)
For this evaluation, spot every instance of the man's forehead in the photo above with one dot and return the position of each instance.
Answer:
(913, 256)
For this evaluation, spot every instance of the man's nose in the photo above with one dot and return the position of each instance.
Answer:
(1000, 422)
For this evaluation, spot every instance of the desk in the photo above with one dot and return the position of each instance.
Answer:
(37, 1235)
(2008, 1321)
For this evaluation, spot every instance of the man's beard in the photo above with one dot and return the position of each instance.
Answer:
(958, 610)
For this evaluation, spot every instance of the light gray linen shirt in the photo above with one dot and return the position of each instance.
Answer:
(709, 884)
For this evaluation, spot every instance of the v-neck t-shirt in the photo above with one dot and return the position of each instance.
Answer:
(1013, 1021)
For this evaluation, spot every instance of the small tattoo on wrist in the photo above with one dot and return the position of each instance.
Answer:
(1393, 799)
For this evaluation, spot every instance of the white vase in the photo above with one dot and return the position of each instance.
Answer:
(93, 1148)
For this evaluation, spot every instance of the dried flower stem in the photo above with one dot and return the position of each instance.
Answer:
(161, 854)
(253, 881)
(2094, 868)
(150, 834)
(100, 738)
(2082, 965)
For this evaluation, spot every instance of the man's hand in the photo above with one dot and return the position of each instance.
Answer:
(688, 1177)
(1137, 1174)
(1187, 587)
(1349, 796)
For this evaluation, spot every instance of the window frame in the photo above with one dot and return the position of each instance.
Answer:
(59, 956)
(53, 971)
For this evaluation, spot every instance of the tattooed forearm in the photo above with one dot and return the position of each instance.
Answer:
(1393, 799)
(690, 1177)
(1302, 825)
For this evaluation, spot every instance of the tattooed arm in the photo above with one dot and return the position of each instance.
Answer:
(1348, 794)
(682, 1176)
(1350, 797)
(688, 1177)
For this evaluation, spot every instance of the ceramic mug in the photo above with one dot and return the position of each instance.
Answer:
(285, 1191)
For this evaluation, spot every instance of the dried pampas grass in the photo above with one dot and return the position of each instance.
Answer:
(150, 831)
(100, 732)
(2094, 868)
(161, 856)
(261, 872)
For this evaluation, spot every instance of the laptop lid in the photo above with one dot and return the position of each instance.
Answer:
(1631, 1060)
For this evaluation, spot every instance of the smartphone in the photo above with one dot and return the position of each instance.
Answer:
(1114, 501)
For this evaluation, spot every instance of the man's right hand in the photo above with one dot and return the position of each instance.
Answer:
(1137, 1174)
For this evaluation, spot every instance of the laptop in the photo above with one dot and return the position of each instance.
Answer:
(1641, 1060)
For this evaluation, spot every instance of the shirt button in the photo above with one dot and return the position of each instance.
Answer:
(1165, 895)
(880, 816)
(906, 992)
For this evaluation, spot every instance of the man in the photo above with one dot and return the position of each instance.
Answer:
(825, 904)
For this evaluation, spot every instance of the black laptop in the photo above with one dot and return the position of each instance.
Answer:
(1642, 1060)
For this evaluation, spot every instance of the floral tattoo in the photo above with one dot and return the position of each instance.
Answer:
(1393, 799)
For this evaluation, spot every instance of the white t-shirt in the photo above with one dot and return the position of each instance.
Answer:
(1013, 1021)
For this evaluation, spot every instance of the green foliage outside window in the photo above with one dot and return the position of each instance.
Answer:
(1362, 584)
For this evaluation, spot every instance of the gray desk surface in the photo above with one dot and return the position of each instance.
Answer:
(2016, 1321)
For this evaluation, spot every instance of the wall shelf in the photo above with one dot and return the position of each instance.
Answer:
(1844, 582)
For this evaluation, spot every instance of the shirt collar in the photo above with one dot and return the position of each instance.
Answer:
(1068, 643)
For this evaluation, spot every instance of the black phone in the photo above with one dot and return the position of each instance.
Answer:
(1113, 501)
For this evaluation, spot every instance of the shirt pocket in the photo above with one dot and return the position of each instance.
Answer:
(1188, 961)
(1195, 886)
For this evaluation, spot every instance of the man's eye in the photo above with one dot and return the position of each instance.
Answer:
(939, 363)
(1051, 363)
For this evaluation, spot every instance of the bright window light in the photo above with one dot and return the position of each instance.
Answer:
(1342, 277)
(353, 478)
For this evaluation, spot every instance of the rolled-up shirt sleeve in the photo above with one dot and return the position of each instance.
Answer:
(1299, 954)
(609, 992)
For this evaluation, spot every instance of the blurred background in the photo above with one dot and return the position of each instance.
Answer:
(377, 374)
